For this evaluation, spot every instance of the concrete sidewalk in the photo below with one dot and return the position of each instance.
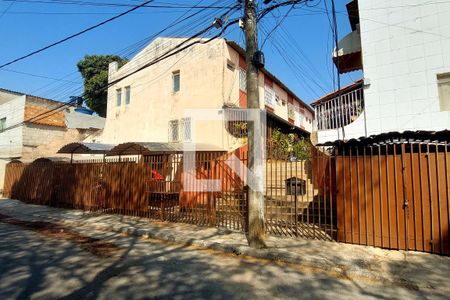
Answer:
(412, 270)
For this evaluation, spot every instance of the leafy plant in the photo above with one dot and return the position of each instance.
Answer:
(289, 146)
(94, 69)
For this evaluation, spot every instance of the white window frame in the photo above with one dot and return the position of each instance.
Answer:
(269, 95)
(185, 129)
(174, 131)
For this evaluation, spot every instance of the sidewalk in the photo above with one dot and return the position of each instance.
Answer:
(412, 270)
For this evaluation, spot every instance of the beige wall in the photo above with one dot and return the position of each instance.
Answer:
(206, 83)
(153, 102)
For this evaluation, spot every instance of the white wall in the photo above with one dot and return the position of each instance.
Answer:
(402, 61)
(405, 44)
(11, 140)
(35, 135)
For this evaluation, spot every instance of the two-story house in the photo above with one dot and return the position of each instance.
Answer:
(29, 128)
(149, 105)
(404, 52)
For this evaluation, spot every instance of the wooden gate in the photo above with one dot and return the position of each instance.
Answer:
(394, 196)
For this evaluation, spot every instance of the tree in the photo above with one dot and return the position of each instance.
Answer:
(94, 69)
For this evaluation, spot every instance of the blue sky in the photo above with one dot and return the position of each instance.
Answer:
(298, 51)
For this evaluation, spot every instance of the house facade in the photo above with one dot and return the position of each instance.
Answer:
(26, 135)
(404, 53)
(150, 104)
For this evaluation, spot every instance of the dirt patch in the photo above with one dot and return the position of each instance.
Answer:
(52, 230)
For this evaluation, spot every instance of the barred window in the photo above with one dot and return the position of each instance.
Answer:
(186, 129)
(242, 80)
(269, 95)
(173, 131)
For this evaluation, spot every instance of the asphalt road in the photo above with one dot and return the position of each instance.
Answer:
(40, 264)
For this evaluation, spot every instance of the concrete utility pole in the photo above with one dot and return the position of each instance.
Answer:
(255, 199)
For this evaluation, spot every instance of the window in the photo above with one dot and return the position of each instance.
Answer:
(444, 91)
(173, 131)
(277, 99)
(176, 81)
(269, 95)
(230, 65)
(127, 95)
(186, 129)
(243, 80)
(291, 111)
(2, 124)
(118, 97)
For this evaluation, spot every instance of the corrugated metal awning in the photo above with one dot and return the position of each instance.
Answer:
(420, 136)
(152, 148)
(86, 148)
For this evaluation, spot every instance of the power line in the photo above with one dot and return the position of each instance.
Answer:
(8, 8)
(127, 51)
(276, 26)
(75, 35)
(110, 4)
(37, 75)
(386, 24)
(166, 55)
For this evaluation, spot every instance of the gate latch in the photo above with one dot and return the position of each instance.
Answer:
(406, 204)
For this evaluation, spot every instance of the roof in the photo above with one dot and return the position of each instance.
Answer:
(152, 148)
(351, 87)
(86, 148)
(52, 119)
(29, 95)
(74, 119)
(241, 51)
(395, 137)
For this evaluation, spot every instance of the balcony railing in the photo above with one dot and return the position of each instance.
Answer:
(338, 112)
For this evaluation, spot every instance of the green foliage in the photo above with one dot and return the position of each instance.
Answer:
(289, 146)
(94, 69)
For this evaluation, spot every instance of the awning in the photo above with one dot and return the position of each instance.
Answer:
(351, 43)
(348, 57)
(153, 148)
(86, 148)
(419, 136)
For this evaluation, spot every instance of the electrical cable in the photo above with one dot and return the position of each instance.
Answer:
(75, 35)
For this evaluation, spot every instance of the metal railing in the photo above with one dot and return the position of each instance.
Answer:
(340, 111)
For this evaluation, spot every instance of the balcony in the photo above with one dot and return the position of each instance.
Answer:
(347, 55)
(335, 111)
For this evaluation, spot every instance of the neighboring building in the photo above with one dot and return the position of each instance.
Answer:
(25, 138)
(404, 52)
(149, 105)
